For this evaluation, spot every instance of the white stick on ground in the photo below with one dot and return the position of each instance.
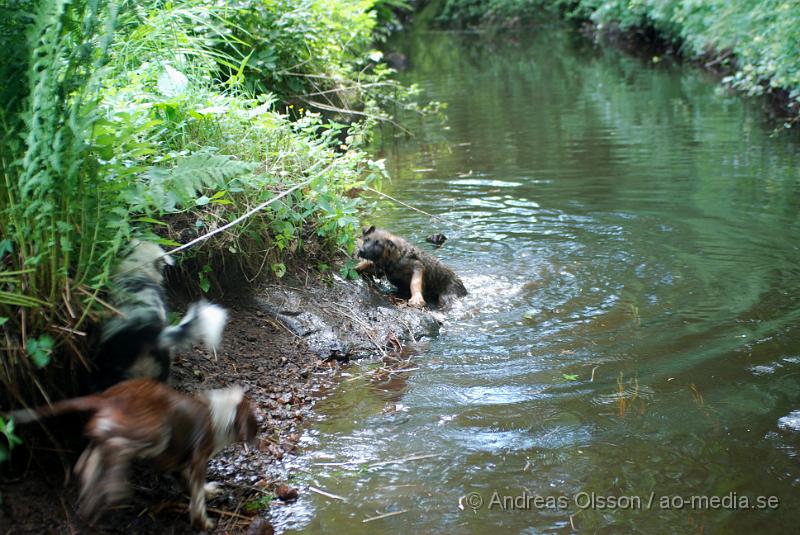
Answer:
(384, 515)
(326, 493)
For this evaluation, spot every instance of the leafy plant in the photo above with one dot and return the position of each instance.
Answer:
(61, 226)
(205, 283)
(7, 430)
(258, 504)
(40, 350)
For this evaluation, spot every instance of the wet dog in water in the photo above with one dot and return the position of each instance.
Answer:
(145, 419)
(416, 274)
(139, 342)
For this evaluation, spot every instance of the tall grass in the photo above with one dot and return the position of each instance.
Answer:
(60, 225)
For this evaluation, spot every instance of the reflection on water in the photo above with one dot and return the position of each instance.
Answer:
(629, 236)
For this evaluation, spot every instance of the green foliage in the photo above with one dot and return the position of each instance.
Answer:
(166, 189)
(763, 36)
(259, 504)
(7, 430)
(348, 270)
(202, 275)
(40, 350)
(316, 53)
(488, 12)
(292, 43)
(387, 13)
(61, 222)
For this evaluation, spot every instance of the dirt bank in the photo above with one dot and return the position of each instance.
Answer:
(285, 344)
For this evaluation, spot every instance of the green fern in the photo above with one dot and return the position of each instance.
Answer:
(163, 189)
(55, 204)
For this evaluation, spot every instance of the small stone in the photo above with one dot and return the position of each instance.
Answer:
(437, 239)
(286, 493)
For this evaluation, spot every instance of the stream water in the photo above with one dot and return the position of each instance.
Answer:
(629, 236)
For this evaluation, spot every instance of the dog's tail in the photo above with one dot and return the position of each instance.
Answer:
(203, 322)
(25, 416)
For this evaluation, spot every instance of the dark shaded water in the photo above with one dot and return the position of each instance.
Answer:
(629, 234)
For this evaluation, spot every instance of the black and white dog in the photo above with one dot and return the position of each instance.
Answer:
(139, 342)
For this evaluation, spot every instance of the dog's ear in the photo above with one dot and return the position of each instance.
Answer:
(369, 230)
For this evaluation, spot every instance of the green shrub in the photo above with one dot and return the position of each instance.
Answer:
(165, 121)
(763, 36)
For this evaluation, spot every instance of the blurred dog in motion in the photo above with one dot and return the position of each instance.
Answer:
(139, 342)
(146, 419)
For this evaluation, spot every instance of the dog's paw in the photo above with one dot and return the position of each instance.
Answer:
(416, 301)
(203, 523)
(364, 266)
(212, 489)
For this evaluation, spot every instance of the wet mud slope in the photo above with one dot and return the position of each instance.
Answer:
(284, 343)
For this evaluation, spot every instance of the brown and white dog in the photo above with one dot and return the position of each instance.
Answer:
(146, 419)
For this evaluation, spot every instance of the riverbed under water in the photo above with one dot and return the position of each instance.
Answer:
(629, 236)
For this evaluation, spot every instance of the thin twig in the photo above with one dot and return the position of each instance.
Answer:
(404, 460)
(326, 493)
(361, 375)
(82, 290)
(241, 217)
(326, 107)
(280, 325)
(364, 326)
(66, 515)
(222, 512)
(414, 208)
(71, 331)
(67, 297)
(384, 515)
(230, 224)
(404, 370)
(341, 89)
(175, 506)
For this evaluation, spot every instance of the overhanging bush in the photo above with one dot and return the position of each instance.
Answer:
(127, 120)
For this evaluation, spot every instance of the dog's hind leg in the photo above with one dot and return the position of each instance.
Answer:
(102, 469)
(197, 482)
(212, 489)
(88, 469)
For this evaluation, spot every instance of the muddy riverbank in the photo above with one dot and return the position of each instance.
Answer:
(286, 344)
